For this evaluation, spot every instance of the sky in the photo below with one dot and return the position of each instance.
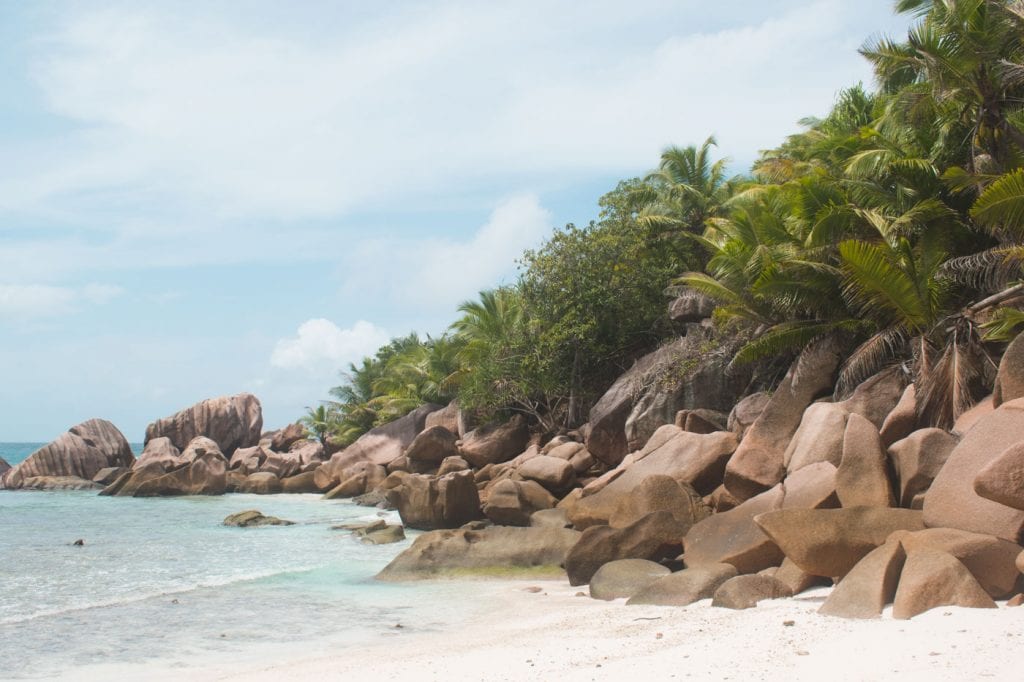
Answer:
(199, 199)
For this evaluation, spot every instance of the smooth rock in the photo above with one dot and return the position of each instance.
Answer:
(253, 517)
(917, 460)
(205, 474)
(685, 587)
(745, 591)
(656, 536)
(512, 503)
(283, 440)
(496, 442)
(746, 412)
(427, 503)
(232, 422)
(1009, 383)
(951, 501)
(624, 578)
(433, 445)
(813, 487)
(989, 559)
(660, 493)
(902, 421)
(261, 483)
(733, 538)
(870, 584)
(830, 542)
(1002, 479)
(58, 483)
(555, 474)
(80, 452)
(162, 451)
(300, 483)
(933, 578)
(496, 551)
(862, 479)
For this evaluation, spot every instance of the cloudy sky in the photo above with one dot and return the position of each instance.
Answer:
(199, 199)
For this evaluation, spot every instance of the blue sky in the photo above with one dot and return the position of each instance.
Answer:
(199, 199)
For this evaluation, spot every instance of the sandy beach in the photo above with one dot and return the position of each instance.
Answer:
(552, 634)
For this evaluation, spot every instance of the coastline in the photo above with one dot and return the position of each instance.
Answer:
(553, 634)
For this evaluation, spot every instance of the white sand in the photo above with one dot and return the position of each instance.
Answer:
(554, 635)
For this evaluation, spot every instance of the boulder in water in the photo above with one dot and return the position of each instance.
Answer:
(81, 452)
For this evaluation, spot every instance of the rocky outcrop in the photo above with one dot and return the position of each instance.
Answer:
(204, 475)
(496, 442)
(691, 306)
(160, 451)
(624, 578)
(1010, 377)
(917, 460)
(80, 452)
(4, 468)
(660, 493)
(260, 483)
(989, 559)
(497, 551)
(231, 422)
(513, 503)
(432, 446)
(429, 503)
(758, 463)
(862, 479)
(746, 412)
(283, 439)
(933, 578)
(58, 483)
(656, 536)
(733, 538)
(300, 483)
(1002, 479)
(951, 501)
(554, 473)
(870, 584)
(450, 417)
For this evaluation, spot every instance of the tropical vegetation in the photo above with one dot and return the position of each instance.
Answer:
(893, 226)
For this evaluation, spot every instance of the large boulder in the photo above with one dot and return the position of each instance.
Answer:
(746, 412)
(497, 551)
(691, 306)
(428, 503)
(80, 452)
(660, 493)
(813, 487)
(300, 483)
(5, 467)
(863, 478)
(902, 421)
(245, 460)
(758, 463)
(450, 417)
(656, 536)
(870, 584)
(1010, 378)
(685, 587)
(283, 439)
(951, 501)
(496, 442)
(830, 542)
(231, 421)
(933, 578)
(358, 479)
(696, 460)
(745, 591)
(161, 451)
(252, 518)
(432, 445)
(917, 460)
(624, 578)
(1002, 479)
(204, 475)
(733, 538)
(380, 445)
(554, 473)
(261, 483)
(989, 559)
(126, 484)
(513, 503)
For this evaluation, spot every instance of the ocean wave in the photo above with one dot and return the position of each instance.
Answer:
(136, 598)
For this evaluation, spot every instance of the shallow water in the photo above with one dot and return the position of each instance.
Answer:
(161, 579)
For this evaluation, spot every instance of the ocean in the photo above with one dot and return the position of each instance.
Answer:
(160, 582)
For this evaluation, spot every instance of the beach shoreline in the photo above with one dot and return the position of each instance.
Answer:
(552, 633)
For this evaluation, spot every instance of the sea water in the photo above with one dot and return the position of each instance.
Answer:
(162, 582)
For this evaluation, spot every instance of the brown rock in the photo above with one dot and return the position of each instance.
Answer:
(757, 464)
(733, 538)
(746, 412)
(448, 417)
(555, 474)
(902, 421)
(495, 443)
(162, 451)
(253, 517)
(512, 503)
(660, 493)
(721, 500)
(232, 422)
(58, 483)
(497, 551)
(204, 475)
(966, 421)
(1010, 378)
(819, 437)
(813, 487)
(797, 579)
(356, 480)
(1002, 479)
(261, 483)
(550, 518)
(951, 502)
(745, 591)
(830, 542)
(1016, 600)
(433, 445)
(694, 459)
(656, 536)
(300, 483)
(870, 584)
(624, 578)
(862, 479)
(917, 459)
(934, 578)
(108, 475)
(244, 460)
(283, 440)
(427, 503)
(451, 464)
(990, 560)
(126, 484)
(80, 452)
(685, 587)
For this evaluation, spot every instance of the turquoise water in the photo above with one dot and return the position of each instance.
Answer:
(161, 582)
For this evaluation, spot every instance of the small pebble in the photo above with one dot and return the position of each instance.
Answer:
(789, 623)
(803, 653)
(533, 590)
(658, 636)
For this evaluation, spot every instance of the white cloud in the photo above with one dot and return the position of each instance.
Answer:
(436, 274)
(321, 345)
(43, 300)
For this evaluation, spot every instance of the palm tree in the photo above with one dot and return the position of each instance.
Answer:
(319, 421)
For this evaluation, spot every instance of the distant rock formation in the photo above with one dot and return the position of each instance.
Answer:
(231, 422)
(81, 453)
